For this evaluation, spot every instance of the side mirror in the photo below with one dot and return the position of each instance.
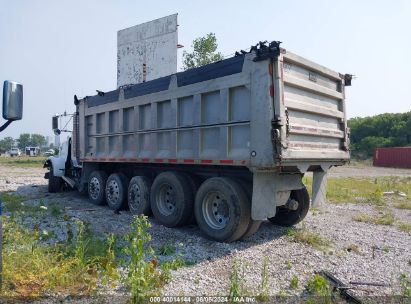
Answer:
(55, 125)
(12, 100)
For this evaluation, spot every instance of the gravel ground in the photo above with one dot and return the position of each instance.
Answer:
(383, 254)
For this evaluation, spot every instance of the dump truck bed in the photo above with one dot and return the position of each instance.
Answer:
(261, 110)
(313, 104)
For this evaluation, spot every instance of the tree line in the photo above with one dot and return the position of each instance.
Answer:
(24, 140)
(383, 130)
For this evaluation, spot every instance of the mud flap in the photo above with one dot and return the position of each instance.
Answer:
(270, 190)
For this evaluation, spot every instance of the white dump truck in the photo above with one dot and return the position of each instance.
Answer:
(225, 145)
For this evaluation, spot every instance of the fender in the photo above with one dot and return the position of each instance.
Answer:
(58, 162)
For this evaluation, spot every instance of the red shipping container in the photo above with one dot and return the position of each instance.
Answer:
(398, 157)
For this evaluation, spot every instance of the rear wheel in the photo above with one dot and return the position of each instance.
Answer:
(222, 209)
(96, 187)
(171, 199)
(253, 226)
(287, 217)
(194, 183)
(139, 195)
(116, 190)
(55, 182)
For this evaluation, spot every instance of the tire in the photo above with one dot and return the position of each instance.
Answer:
(138, 195)
(83, 189)
(116, 191)
(171, 199)
(55, 183)
(96, 187)
(222, 209)
(195, 185)
(286, 217)
(253, 226)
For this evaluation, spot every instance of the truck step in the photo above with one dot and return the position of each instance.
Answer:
(69, 181)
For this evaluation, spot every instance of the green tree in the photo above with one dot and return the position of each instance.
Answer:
(24, 140)
(204, 52)
(38, 140)
(384, 130)
(6, 144)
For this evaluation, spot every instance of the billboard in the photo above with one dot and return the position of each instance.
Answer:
(147, 51)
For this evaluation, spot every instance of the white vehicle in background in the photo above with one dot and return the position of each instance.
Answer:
(49, 152)
(15, 152)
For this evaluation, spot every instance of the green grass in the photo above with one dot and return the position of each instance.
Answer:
(167, 249)
(405, 227)
(32, 268)
(365, 190)
(17, 205)
(318, 287)
(294, 282)
(23, 161)
(405, 282)
(403, 205)
(305, 236)
(13, 203)
(383, 219)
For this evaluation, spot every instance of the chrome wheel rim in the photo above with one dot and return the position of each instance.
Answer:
(94, 188)
(166, 200)
(134, 197)
(113, 192)
(216, 210)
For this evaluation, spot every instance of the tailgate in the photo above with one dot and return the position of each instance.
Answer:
(313, 107)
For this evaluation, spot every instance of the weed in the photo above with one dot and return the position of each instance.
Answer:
(143, 278)
(353, 248)
(32, 268)
(289, 264)
(282, 295)
(404, 227)
(55, 209)
(13, 203)
(385, 249)
(109, 262)
(403, 205)
(375, 197)
(174, 264)
(263, 296)
(167, 249)
(405, 282)
(294, 282)
(315, 211)
(236, 282)
(318, 286)
(305, 236)
(383, 219)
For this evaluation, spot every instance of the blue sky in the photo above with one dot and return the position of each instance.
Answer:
(61, 48)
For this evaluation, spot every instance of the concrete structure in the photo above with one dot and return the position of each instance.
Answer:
(147, 51)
